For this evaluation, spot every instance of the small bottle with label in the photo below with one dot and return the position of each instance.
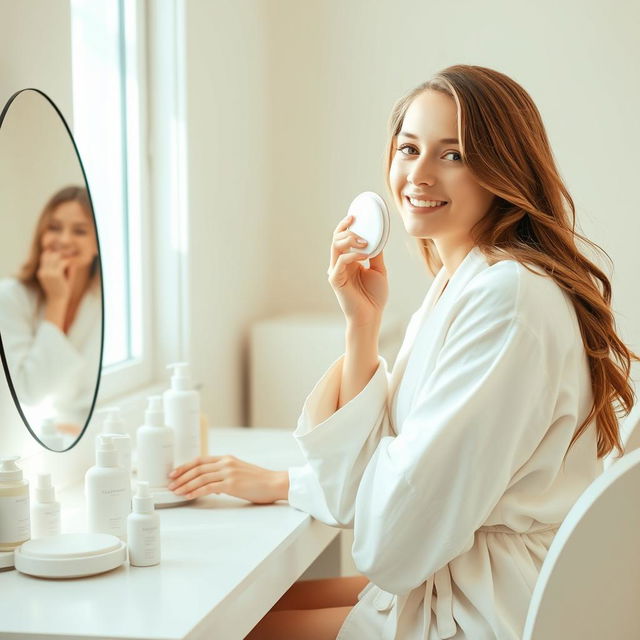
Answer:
(143, 529)
(45, 510)
(15, 526)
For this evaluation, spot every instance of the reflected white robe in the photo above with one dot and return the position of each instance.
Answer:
(48, 367)
(450, 469)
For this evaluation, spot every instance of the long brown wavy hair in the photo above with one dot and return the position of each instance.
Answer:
(504, 144)
(29, 270)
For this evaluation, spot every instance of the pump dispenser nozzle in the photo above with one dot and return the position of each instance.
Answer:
(113, 422)
(181, 378)
(142, 500)
(154, 415)
(44, 490)
(9, 470)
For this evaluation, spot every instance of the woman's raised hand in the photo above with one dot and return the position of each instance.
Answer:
(227, 474)
(53, 276)
(361, 292)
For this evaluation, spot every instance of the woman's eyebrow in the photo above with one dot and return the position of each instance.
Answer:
(443, 140)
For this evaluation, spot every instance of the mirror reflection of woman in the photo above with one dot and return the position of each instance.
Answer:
(50, 319)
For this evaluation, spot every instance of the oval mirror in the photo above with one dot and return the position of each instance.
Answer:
(51, 298)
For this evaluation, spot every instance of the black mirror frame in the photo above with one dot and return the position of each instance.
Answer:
(5, 365)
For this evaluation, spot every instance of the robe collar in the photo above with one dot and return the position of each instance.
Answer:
(436, 306)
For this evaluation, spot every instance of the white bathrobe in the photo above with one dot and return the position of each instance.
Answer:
(50, 370)
(450, 469)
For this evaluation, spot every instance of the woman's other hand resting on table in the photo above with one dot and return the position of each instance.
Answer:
(227, 474)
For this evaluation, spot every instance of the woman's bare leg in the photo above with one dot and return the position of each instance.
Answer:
(322, 594)
(301, 624)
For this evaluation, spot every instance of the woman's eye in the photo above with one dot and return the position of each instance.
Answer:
(408, 146)
(404, 146)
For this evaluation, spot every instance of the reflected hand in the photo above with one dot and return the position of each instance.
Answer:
(227, 474)
(54, 274)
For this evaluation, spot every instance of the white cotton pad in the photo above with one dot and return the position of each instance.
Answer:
(371, 222)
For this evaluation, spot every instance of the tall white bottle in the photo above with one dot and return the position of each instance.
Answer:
(108, 492)
(15, 525)
(114, 426)
(182, 414)
(143, 529)
(45, 510)
(154, 442)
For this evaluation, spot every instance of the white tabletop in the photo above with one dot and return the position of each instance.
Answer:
(225, 562)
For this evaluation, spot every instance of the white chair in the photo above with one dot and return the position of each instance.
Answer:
(589, 583)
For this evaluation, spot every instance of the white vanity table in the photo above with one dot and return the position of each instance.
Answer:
(225, 562)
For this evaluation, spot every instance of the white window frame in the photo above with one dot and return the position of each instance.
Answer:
(121, 378)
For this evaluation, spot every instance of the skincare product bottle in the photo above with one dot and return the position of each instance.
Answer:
(108, 492)
(154, 442)
(143, 529)
(182, 414)
(113, 425)
(50, 436)
(14, 505)
(45, 511)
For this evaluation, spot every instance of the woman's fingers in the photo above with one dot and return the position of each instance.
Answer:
(342, 243)
(189, 466)
(198, 483)
(338, 276)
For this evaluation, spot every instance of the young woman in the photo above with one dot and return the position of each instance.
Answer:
(50, 318)
(457, 468)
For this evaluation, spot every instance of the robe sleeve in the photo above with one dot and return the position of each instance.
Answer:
(40, 362)
(305, 494)
(476, 420)
(339, 444)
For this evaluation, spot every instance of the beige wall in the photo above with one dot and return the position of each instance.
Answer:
(35, 51)
(288, 107)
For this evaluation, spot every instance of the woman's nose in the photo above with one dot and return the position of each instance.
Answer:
(421, 172)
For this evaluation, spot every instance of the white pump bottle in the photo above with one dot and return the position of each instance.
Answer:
(154, 441)
(113, 425)
(182, 414)
(108, 492)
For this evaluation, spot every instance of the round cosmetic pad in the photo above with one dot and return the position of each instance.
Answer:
(371, 222)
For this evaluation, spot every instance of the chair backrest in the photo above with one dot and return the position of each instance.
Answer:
(589, 582)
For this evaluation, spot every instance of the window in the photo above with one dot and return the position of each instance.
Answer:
(109, 81)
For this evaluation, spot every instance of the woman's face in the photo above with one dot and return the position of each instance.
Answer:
(71, 233)
(427, 167)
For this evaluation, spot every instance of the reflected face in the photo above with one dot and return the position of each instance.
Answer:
(70, 232)
(427, 166)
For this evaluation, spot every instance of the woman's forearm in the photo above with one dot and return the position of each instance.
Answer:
(55, 312)
(360, 361)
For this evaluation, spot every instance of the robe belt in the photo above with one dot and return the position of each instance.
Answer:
(441, 579)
